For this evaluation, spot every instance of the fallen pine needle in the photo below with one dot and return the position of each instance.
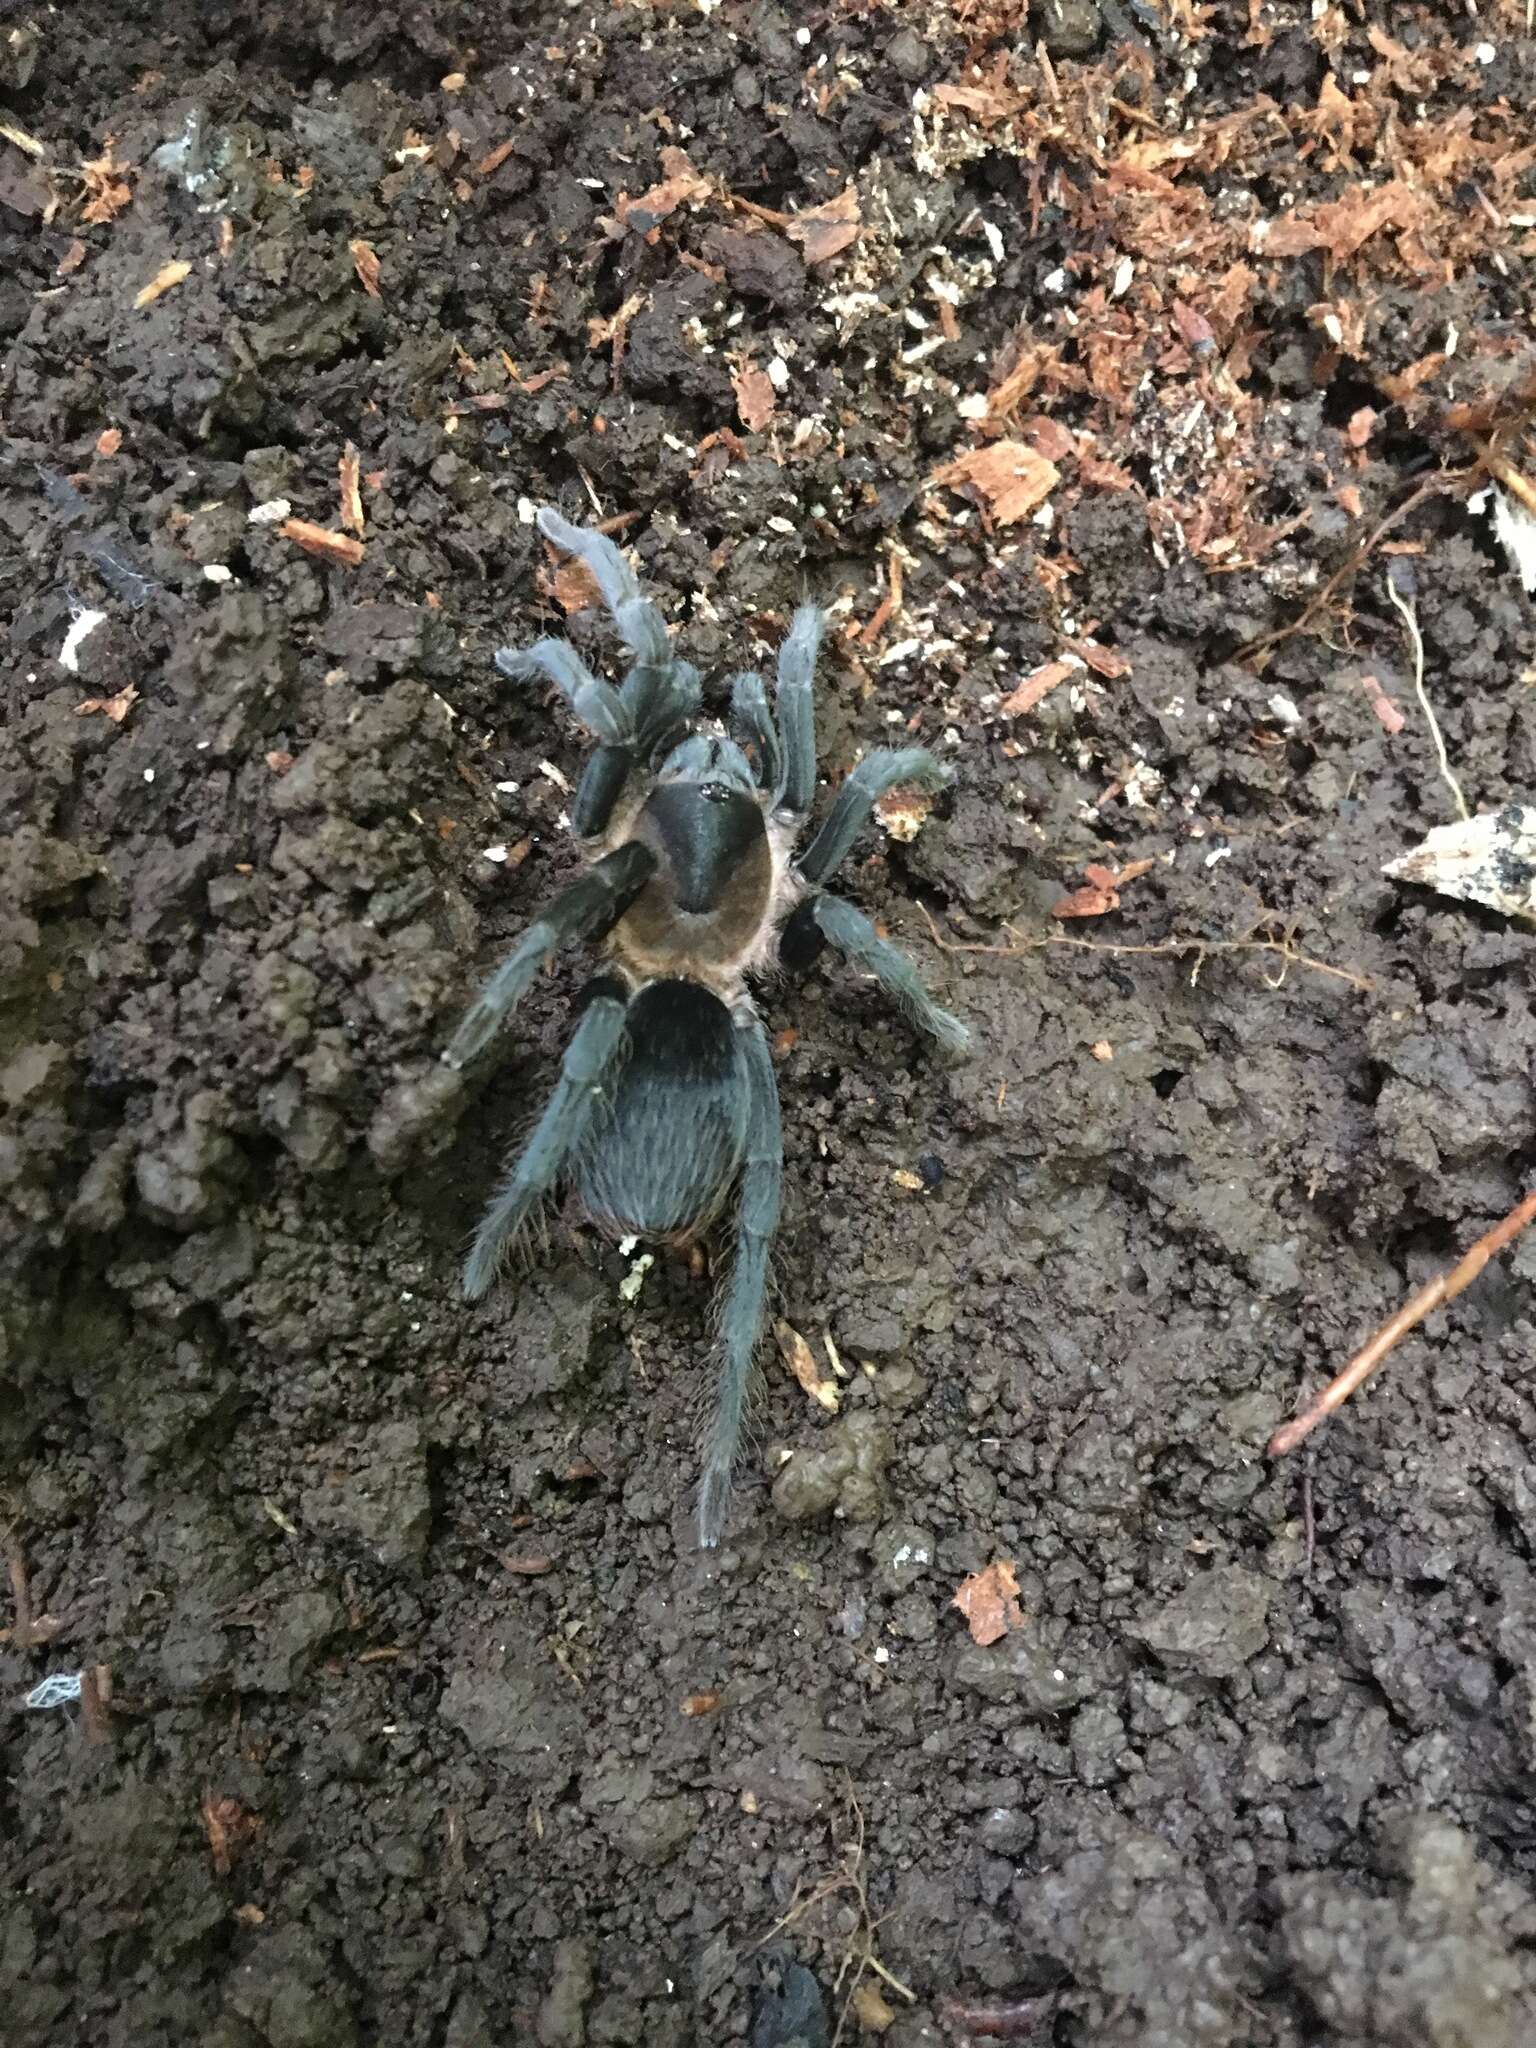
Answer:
(1281, 948)
(1435, 1294)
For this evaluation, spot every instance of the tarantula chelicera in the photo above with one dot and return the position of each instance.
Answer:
(666, 1104)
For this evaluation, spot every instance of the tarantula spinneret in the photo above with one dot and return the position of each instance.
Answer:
(666, 1106)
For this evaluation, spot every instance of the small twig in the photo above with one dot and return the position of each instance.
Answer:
(1440, 481)
(1518, 485)
(96, 1703)
(1442, 1289)
(1409, 611)
(1281, 948)
(1015, 2020)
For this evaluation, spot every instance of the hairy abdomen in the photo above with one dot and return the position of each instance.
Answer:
(662, 1157)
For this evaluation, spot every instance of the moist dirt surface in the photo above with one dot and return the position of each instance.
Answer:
(1118, 344)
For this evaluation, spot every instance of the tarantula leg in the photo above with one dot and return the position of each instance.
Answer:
(589, 1059)
(741, 1314)
(851, 932)
(599, 706)
(753, 722)
(604, 893)
(661, 700)
(641, 626)
(875, 776)
(796, 788)
(598, 792)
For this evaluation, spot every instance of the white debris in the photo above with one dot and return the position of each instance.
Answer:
(508, 788)
(495, 853)
(271, 512)
(217, 572)
(1514, 528)
(1054, 281)
(1120, 284)
(81, 629)
(1283, 710)
(634, 1279)
(1489, 859)
(560, 780)
(994, 240)
(1218, 853)
(58, 1689)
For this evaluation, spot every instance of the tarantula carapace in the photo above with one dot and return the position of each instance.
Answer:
(666, 1104)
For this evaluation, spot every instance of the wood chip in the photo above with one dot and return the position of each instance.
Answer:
(801, 1360)
(989, 1600)
(1101, 888)
(116, 708)
(72, 259)
(1035, 688)
(319, 540)
(756, 399)
(165, 279)
(825, 231)
(109, 440)
(107, 190)
(699, 1703)
(1008, 476)
(365, 262)
(680, 185)
(349, 476)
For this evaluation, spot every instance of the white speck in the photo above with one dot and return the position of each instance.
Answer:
(994, 240)
(1218, 853)
(802, 36)
(1452, 338)
(1515, 529)
(496, 853)
(1284, 710)
(901, 1557)
(149, 774)
(1054, 281)
(1060, 1676)
(1125, 270)
(217, 572)
(527, 511)
(779, 524)
(270, 513)
(951, 735)
(882, 1655)
(555, 776)
(508, 788)
(81, 629)
(902, 651)
(973, 406)
(895, 717)
(406, 1294)
(1485, 53)
(627, 1245)
(778, 373)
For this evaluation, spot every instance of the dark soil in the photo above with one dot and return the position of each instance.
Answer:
(406, 1635)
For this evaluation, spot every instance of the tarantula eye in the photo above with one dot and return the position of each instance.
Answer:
(714, 792)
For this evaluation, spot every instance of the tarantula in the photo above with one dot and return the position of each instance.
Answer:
(666, 1102)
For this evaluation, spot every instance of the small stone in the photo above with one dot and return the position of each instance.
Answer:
(1214, 1626)
(909, 57)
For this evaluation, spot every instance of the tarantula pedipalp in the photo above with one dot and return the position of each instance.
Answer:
(666, 1102)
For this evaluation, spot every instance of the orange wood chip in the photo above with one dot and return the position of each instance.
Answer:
(319, 540)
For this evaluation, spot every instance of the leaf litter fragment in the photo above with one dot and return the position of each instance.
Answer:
(826, 231)
(116, 708)
(801, 1360)
(1101, 888)
(989, 1600)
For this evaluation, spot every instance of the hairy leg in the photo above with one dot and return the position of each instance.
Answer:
(601, 895)
(875, 776)
(741, 1313)
(589, 1060)
(753, 723)
(597, 705)
(851, 932)
(797, 713)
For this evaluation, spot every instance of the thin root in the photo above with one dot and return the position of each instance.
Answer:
(1406, 607)
(1281, 948)
(1443, 1288)
(859, 1956)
